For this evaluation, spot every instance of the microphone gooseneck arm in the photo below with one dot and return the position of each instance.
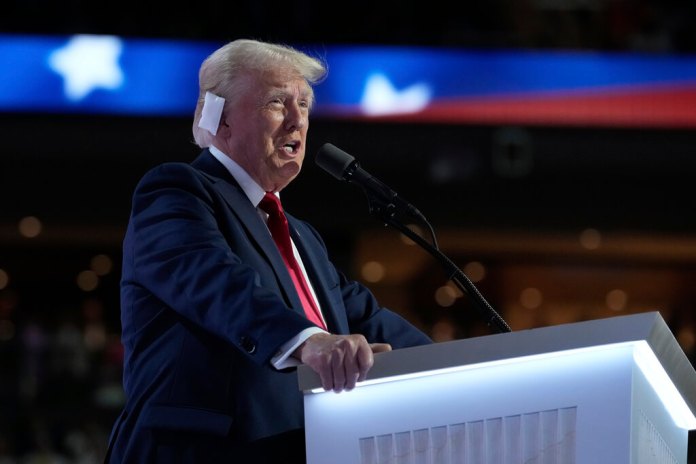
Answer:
(385, 204)
(382, 201)
(386, 213)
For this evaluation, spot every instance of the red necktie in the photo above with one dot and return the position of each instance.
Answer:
(278, 225)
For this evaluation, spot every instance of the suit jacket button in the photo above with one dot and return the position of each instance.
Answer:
(248, 345)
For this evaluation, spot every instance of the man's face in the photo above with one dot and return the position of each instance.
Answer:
(268, 125)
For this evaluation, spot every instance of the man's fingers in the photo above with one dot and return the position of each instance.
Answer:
(365, 361)
(352, 366)
(340, 360)
(380, 347)
(339, 372)
(326, 374)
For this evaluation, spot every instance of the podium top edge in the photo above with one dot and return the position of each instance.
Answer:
(647, 326)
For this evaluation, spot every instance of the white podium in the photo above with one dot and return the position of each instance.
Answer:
(610, 391)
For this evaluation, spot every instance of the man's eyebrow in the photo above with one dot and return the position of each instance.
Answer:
(276, 91)
(305, 94)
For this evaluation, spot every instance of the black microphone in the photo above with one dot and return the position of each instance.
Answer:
(385, 203)
(343, 166)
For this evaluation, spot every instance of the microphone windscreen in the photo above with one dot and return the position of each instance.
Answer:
(333, 160)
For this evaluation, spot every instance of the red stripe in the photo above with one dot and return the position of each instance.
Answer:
(673, 107)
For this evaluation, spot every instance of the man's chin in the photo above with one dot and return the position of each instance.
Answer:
(286, 174)
(291, 168)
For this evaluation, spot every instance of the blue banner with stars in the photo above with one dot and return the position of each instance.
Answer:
(96, 74)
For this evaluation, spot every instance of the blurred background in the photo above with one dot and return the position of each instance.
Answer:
(563, 190)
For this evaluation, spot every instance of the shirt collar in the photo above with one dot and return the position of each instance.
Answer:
(252, 190)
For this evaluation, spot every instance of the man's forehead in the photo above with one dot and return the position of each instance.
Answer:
(262, 85)
(286, 82)
(299, 88)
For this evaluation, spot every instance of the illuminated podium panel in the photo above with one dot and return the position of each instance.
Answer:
(609, 391)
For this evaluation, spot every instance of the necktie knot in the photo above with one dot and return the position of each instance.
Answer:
(277, 222)
(270, 203)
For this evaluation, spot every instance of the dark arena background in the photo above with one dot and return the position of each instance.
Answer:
(551, 145)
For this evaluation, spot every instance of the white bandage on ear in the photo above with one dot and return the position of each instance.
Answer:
(211, 113)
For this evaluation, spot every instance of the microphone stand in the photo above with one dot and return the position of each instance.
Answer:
(386, 209)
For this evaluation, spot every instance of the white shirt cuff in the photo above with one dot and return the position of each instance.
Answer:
(282, 359)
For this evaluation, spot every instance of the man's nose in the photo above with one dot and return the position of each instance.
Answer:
(296, 118)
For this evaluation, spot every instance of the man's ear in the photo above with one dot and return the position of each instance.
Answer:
(224, 127)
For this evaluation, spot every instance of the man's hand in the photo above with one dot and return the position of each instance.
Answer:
(340, 360)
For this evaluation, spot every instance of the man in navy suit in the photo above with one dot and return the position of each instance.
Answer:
(212, 324)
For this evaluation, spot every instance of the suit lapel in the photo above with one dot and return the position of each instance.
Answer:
(242, 208)
(319, 283)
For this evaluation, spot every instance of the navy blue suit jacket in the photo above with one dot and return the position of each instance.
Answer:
(206, 302)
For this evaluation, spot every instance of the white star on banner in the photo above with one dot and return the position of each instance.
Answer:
(86, 63)
(381, 97)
